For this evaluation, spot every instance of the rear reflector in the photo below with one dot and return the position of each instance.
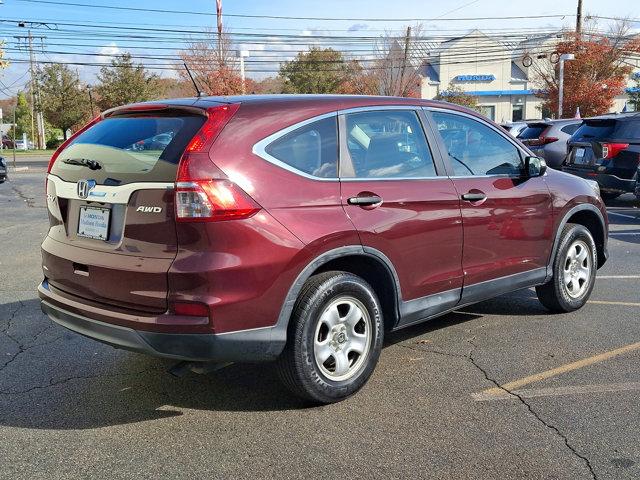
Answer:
(611, 150)
(212, 200)
(190, 309)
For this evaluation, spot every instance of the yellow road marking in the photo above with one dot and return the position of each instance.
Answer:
(604, 302)
(560, 391)
(554, 372)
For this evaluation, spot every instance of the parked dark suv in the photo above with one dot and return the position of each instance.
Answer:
(302, 228)
(607, 150)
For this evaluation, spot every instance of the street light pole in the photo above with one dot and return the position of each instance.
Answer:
(242, 54)
(564, 57)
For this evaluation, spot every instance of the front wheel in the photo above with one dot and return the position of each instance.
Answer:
(334, 338)
(574, 271)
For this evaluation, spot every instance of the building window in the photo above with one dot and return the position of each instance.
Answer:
(517, 113)
(488, 111)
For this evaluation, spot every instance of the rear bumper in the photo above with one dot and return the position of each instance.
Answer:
(256, 345)
(608, 182)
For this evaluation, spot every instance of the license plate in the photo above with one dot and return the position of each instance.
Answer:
(579, 157)
(94, 223)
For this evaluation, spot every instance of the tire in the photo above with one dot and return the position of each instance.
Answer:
(609, 195)
(574, 272)
(336, 316)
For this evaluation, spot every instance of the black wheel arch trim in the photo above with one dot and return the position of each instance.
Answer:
(565, 219)
(319, 261)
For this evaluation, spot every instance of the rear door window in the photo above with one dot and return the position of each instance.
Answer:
(386, 144)
(126, 149)
(312, 149)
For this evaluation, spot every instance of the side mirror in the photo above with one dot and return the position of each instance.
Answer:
(534, 167)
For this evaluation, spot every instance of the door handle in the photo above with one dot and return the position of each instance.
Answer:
(365, 200)
(474, 197)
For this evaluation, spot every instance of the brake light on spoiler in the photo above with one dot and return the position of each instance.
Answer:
(201, 199)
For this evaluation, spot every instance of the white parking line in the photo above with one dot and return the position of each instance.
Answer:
(623, 215)
(558, 391)
(607, 277)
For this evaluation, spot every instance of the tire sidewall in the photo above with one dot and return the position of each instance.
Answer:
(334, 287)
(573, 233)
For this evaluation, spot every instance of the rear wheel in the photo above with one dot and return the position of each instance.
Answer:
(334, 338)
(574, 271)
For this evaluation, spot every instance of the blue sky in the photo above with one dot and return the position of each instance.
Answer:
(81, 47)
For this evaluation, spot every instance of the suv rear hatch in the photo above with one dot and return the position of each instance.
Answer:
(605, 146)
(110, 195)
(535, 136)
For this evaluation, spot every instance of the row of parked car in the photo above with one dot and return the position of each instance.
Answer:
(605, 149)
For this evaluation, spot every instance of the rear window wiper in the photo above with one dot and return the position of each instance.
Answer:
(84, 162)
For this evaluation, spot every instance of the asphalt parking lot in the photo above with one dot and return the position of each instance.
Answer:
(501, 389)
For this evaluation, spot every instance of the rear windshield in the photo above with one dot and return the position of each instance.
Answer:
(532, 131)
(608, 130)
(122, 150)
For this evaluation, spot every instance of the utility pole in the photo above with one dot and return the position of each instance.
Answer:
(579, 20)
(400, 90)
(90, 99)
(36, 113)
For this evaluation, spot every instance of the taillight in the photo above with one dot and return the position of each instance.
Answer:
(66, 143)
(611, 150)
(217, 118)
(211, 200)
(546, 140)
(201, 199)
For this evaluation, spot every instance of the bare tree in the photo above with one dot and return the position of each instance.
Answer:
(214, 64)
(396, 66)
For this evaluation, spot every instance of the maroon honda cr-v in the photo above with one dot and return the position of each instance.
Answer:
(301, 228)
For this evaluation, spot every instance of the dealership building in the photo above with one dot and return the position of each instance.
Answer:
(499, 73)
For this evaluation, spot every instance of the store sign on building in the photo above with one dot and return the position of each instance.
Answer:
(475, 78)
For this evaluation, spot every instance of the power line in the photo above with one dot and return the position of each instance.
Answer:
(286, 17)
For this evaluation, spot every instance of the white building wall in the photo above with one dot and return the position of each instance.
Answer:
(474, 55)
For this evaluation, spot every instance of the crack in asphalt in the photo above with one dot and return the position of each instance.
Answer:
(486, 375)
(23, 346)
(30, 201)
(6, 333)
(79, 377)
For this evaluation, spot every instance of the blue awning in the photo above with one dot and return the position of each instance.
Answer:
(495, 93)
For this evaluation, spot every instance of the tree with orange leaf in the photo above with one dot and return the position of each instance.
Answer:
(596, 76)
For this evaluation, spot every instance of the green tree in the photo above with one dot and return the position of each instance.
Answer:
(455, 94)
(124, 82)
(23, 117)
(62, 99)
(319, 70)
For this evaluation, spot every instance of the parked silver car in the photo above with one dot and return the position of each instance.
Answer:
(514, 128)
(548, 138)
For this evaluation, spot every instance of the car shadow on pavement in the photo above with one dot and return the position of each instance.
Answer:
(51, 378)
